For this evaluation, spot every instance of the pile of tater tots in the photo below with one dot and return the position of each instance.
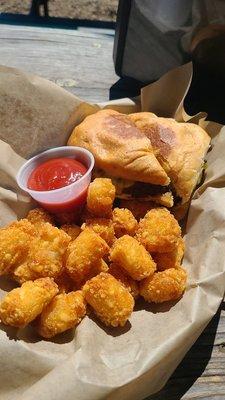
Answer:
(102, 264)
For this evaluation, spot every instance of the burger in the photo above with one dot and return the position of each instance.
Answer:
(148, 158)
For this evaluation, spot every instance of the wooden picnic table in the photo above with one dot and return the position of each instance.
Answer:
(81, 61)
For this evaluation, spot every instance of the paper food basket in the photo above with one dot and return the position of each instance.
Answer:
(94, 363)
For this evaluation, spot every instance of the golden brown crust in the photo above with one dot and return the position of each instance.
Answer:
(138, 208)
(111, 302)
(15, 241)
(103, 227)
(130, 255)
(100, 197)
(64, 312)
(84, 255)
(45, 256)
(179, 147)
(130, 284)
(124, 222)
(22, 305)
(158, 231)
(119, 147)
(38, 215)
(164, 286)
(171, 259)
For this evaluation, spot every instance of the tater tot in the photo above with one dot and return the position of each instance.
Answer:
(64, 312)
(164, 286)
(84, 255)
(130, 255)
(124, 222)
(138, 208)
(158, 231)
(24, 225)
(39, 215)
(100, 198)
(22, 305)
(45, 256)
(23, 273)
(72, 230)
(103, 227)
(129, 283)
(170, 260)
(111, 302)
(15, 241)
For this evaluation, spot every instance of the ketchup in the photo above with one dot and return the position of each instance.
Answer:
(55, 174)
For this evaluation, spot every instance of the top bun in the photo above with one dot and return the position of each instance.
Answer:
(119, 147)
(179, 147)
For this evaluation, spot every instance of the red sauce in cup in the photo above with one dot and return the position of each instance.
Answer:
(55, 174)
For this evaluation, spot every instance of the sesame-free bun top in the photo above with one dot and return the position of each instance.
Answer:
(179, 147)
(119, 147)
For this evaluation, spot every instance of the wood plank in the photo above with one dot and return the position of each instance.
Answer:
(201, 374)
(92, 95)
(79, 61)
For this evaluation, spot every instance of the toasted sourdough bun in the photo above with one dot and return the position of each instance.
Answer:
(179, 147)
(119, 147)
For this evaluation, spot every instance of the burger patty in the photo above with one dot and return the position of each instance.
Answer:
(141, 189)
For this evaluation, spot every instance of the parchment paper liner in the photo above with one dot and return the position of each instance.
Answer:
(94, 362)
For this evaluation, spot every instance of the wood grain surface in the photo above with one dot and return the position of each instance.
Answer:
(78, 60)
(81, 62)
(201, 374)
